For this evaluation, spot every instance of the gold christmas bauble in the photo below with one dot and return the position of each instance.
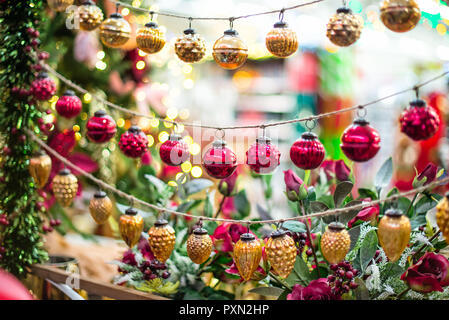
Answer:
(394, 233)
(229, 51)
(115, 31)
(400, 15)
(281, 253)
(443, 216)
(335, 242)
(344, 28)
(65, 186)
(247, 255)
(190, 47)
(199, 246)
(131, 227)
(281, 41)
(90, 16)
(162, 240)
(100, 207)
(150, 39)
(59, 5)
(40, 168)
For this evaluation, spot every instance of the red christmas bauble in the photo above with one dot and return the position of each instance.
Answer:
(307, 152)
(69, 105)
(219, 161)
(174, 151)
(101, 127)
(263, 157)
(360, 142)
(11, 288)
(419, 121)
(133, 142)
(43, 88)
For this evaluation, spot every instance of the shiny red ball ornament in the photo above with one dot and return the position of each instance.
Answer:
(360, 142)
(43, 88)
(419, 121)
(307, 152)
(219, 161)
(69, 105)
(174, 151)
(263, 157)
(101, 127)
(133, 142)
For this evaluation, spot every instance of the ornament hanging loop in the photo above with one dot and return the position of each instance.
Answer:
(416, 89)
(263, 127)
(231, 23)
(175, 128)
(361, 112)
(281, 15)
(344, 3)
(310, 124)
(151, 15)
(190, 22)
(220, 134)
(116, 7)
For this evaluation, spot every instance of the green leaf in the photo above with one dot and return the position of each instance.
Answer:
(361, 292)
(424, 204)
(263, 213)
(383, 176)
(391, 270)
(267, 291)
(318, 206)
(311, 194)
(208, 206)
(284, 295)
(197, 185)
(145, 170)
(354, 234)
(403, 204)
(294, 226)
(347, 216)
(367, 193)
(341, 191)
(324, 272)
(188, 205)
(417, 221)
(159, 184)
(368, 249)
(300, 273)
(242, 204)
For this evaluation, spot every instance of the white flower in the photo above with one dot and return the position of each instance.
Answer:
(404, 257)
(388, 291)
(373, 281)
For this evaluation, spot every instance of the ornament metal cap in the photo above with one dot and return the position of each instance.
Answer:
(42, 75)
(100, 113)
(344, 10)
(174, 137)
(200, 231)
(231, 32)
(88, 3)
(100, 194)
(280, 24)
(134, 129)
(277, 234)
(309, 136)
(160, 223)
(151, 24)
(447, 195)
(69, 93)
(336, 226)
(418, 103)
(219, 143)
(263, 139)
(361, 122)
(64, 172)
(39, 153)
(116, 15)
(189, 31)
(393, 213)
(247, 237)
(131, 212)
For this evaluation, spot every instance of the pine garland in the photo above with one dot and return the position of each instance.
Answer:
(21, 238)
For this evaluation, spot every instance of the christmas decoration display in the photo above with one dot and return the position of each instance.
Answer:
(90, 16)
(134, 142)
(65, 187)
(307, 152)
(69, 105)
(344, 28)
(263, 157)
(40, 168)
(190, 47)
(115, 31)
(229, 51)
(199, 245)
(342, 279)
(394, 233)
(419, 121)
(100, 207)
(281, 41)
(43, 88)
(442, 216)
(59, 5)
(335, 242)
(281, 253)
(174, 151)
(150, 39)
(161, 238)
(247, 255)
(400, 15)
(360, 142)
(131, 227)
(219, 161)
(101, 127)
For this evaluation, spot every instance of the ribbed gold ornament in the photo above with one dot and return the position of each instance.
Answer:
(131, 227)
(281, 41)
(40, 168)
(394, 233)
(344, 28)
(162, 240)
(443, 216)
(229, 51)
(59, 5)
(100, 207)
(400, 15)
(199, 246)
(190, 47)
(115, 31)
(150, 39)
(65, 186)
(335, 242)
(281, 253)
(90, 16)
(247, 255)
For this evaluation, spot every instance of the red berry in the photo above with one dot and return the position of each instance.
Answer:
(349, 275)
(48, 111)
(165, 274)
(43, 55)
(6, 150)
(15, 90)
(57, 222)
(333, 267)
(309, 252)
(341, 273)
(35, 34)
(30, 30)
(23, 137)
(28, 48)
(2, 249)
(331, 278)
(353, 285)
(152, 276)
